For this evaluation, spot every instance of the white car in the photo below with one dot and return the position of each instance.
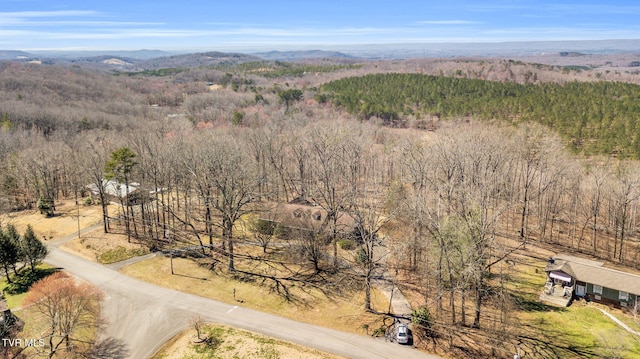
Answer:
(403, 334)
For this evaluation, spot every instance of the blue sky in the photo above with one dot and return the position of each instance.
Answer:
(236, 24)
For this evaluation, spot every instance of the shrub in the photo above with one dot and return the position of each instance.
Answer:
(264, 226)
(421, 317)
(378, 332)
(347, 245)
(361, 256)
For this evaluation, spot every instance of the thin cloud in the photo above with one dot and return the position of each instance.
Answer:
(32, 18)
(122, 34)
(448, 22)
(94, 23)
(40, 14)
(550, 9)
(22, 16)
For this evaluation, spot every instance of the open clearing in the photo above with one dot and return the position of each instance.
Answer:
(64, 223)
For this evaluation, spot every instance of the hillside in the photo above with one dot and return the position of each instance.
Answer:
(15, 55)
(195, 60)
(594, 117)
(302, 55)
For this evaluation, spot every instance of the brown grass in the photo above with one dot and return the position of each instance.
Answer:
(343, 312)
(97, 245)
(235, 343)
(64, 223)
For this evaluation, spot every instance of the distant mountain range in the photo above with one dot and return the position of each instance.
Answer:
(155, 59)
(497, 49)
(15, 55)
(302, 55)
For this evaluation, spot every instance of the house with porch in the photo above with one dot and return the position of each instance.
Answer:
(570, 277)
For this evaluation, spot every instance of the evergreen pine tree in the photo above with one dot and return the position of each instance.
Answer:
(32, 248)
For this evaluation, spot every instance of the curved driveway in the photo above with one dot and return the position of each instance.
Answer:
(144, 316)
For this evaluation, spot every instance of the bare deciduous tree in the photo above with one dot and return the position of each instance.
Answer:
(65, 307)
(235, 181)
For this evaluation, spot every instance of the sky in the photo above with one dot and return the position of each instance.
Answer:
(237, 24)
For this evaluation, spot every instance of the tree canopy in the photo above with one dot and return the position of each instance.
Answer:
(120, 164)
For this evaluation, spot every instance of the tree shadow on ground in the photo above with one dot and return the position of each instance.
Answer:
(533, 305)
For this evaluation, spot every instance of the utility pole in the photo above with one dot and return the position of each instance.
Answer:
(170, 235)
(78, 210)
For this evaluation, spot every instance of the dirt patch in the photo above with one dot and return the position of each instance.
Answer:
(226, 343)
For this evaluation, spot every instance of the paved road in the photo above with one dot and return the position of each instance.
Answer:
(144, 316)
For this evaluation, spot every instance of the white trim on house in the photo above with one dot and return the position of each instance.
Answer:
(561, 276)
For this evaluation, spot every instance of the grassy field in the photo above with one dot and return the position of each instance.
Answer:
(226, 343)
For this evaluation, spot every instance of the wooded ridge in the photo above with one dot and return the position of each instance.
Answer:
(594, 117)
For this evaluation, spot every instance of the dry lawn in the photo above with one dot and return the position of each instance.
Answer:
(64, 223)
(104, 248)
(95, 245)
(37, 325)
(344, 312)
(231, 343)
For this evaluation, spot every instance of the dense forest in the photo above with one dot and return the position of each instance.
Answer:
(595, 117)
(449, 205)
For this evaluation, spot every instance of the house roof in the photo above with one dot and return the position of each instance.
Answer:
(593, 272)
(303, 215)
(114, 188)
